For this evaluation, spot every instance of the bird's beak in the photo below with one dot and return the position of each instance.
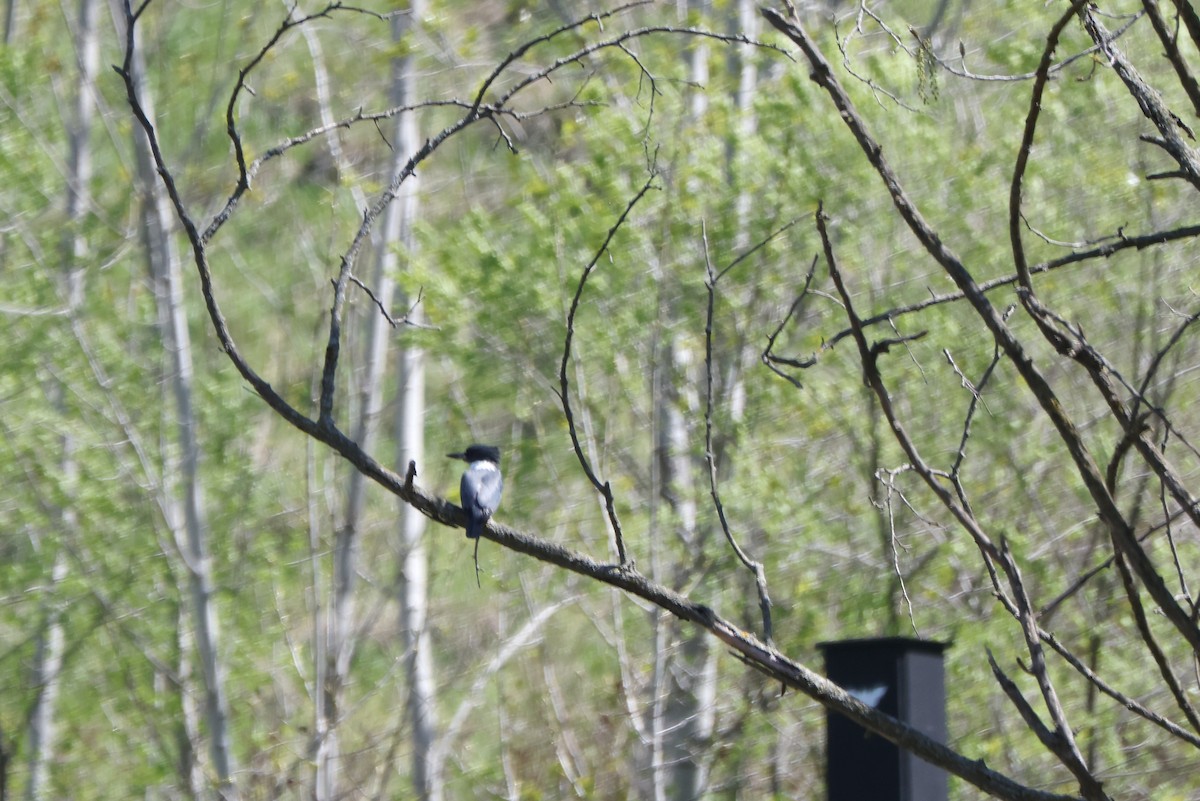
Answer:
(456, 456)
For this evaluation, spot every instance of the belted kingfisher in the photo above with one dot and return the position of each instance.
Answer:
(481, 485)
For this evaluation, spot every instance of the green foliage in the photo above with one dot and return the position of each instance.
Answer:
(503, 240)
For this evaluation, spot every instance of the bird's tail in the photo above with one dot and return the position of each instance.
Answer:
(474, 529)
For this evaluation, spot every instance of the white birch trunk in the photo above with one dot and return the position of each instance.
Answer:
(47, 666)
(395, 232)
(324, 746)
(181, 470)
(48, 657)
(422, 697)
(342, 639)
(747, 122)
(686, 673)
(685, 664)
(410, 426)
(190, 726)
(698, 53)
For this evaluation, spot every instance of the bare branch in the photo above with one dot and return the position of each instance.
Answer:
(199, 254)
(564, 394)
(1032, 721)
(1041, 77)
(624, 576)
(756, 568)
(1088, 470)
(392, 321)
(1167, 122)
(1062, 743)
(1170, 45)
(963, 72)
(1160, 658)
(1120, 242)
(289, 22)
(1157, 360)
(1124, 700)
(888, 479)
(976, 391)
(1187, 12)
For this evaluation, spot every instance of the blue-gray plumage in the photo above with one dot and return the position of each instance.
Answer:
(481, 485)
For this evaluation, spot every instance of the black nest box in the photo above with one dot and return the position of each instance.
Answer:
(901, 677)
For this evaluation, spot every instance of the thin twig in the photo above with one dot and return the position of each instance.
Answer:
(888, 508)
(869, 357)
(231, 129)
(976, 390)
(756, 568)
(1122, 242)
(1041, 78)
(963, 72)
(1132, 704)
(769, 358)
(564, 394)
(392, 321)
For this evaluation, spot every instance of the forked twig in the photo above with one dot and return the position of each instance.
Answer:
(769, 357)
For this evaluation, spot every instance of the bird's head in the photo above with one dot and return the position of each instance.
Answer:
(478, 453)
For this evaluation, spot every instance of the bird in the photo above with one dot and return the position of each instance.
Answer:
(481, 485)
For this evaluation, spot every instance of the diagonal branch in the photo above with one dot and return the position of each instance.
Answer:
(1160, 659)
(1086, 466)
(476, 111)
(1032, 721)
(869, 357)
(1170, 127)
(199, 253)
(1191, 20)
(1132, 704)
(1060, 741)
(1170, 43)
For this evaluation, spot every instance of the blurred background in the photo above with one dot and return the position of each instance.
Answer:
(196, 600)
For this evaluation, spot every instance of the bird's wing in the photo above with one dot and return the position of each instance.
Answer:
(466, 491)
(487, 496)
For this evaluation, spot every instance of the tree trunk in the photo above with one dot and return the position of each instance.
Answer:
(47, 665)
(685, 666)
(48, 657)
(697, 57)
(395, 232)
(410, 426)
(747, 122)
(184, 490)
(342, 640)
(10, 27)
(324, 744)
